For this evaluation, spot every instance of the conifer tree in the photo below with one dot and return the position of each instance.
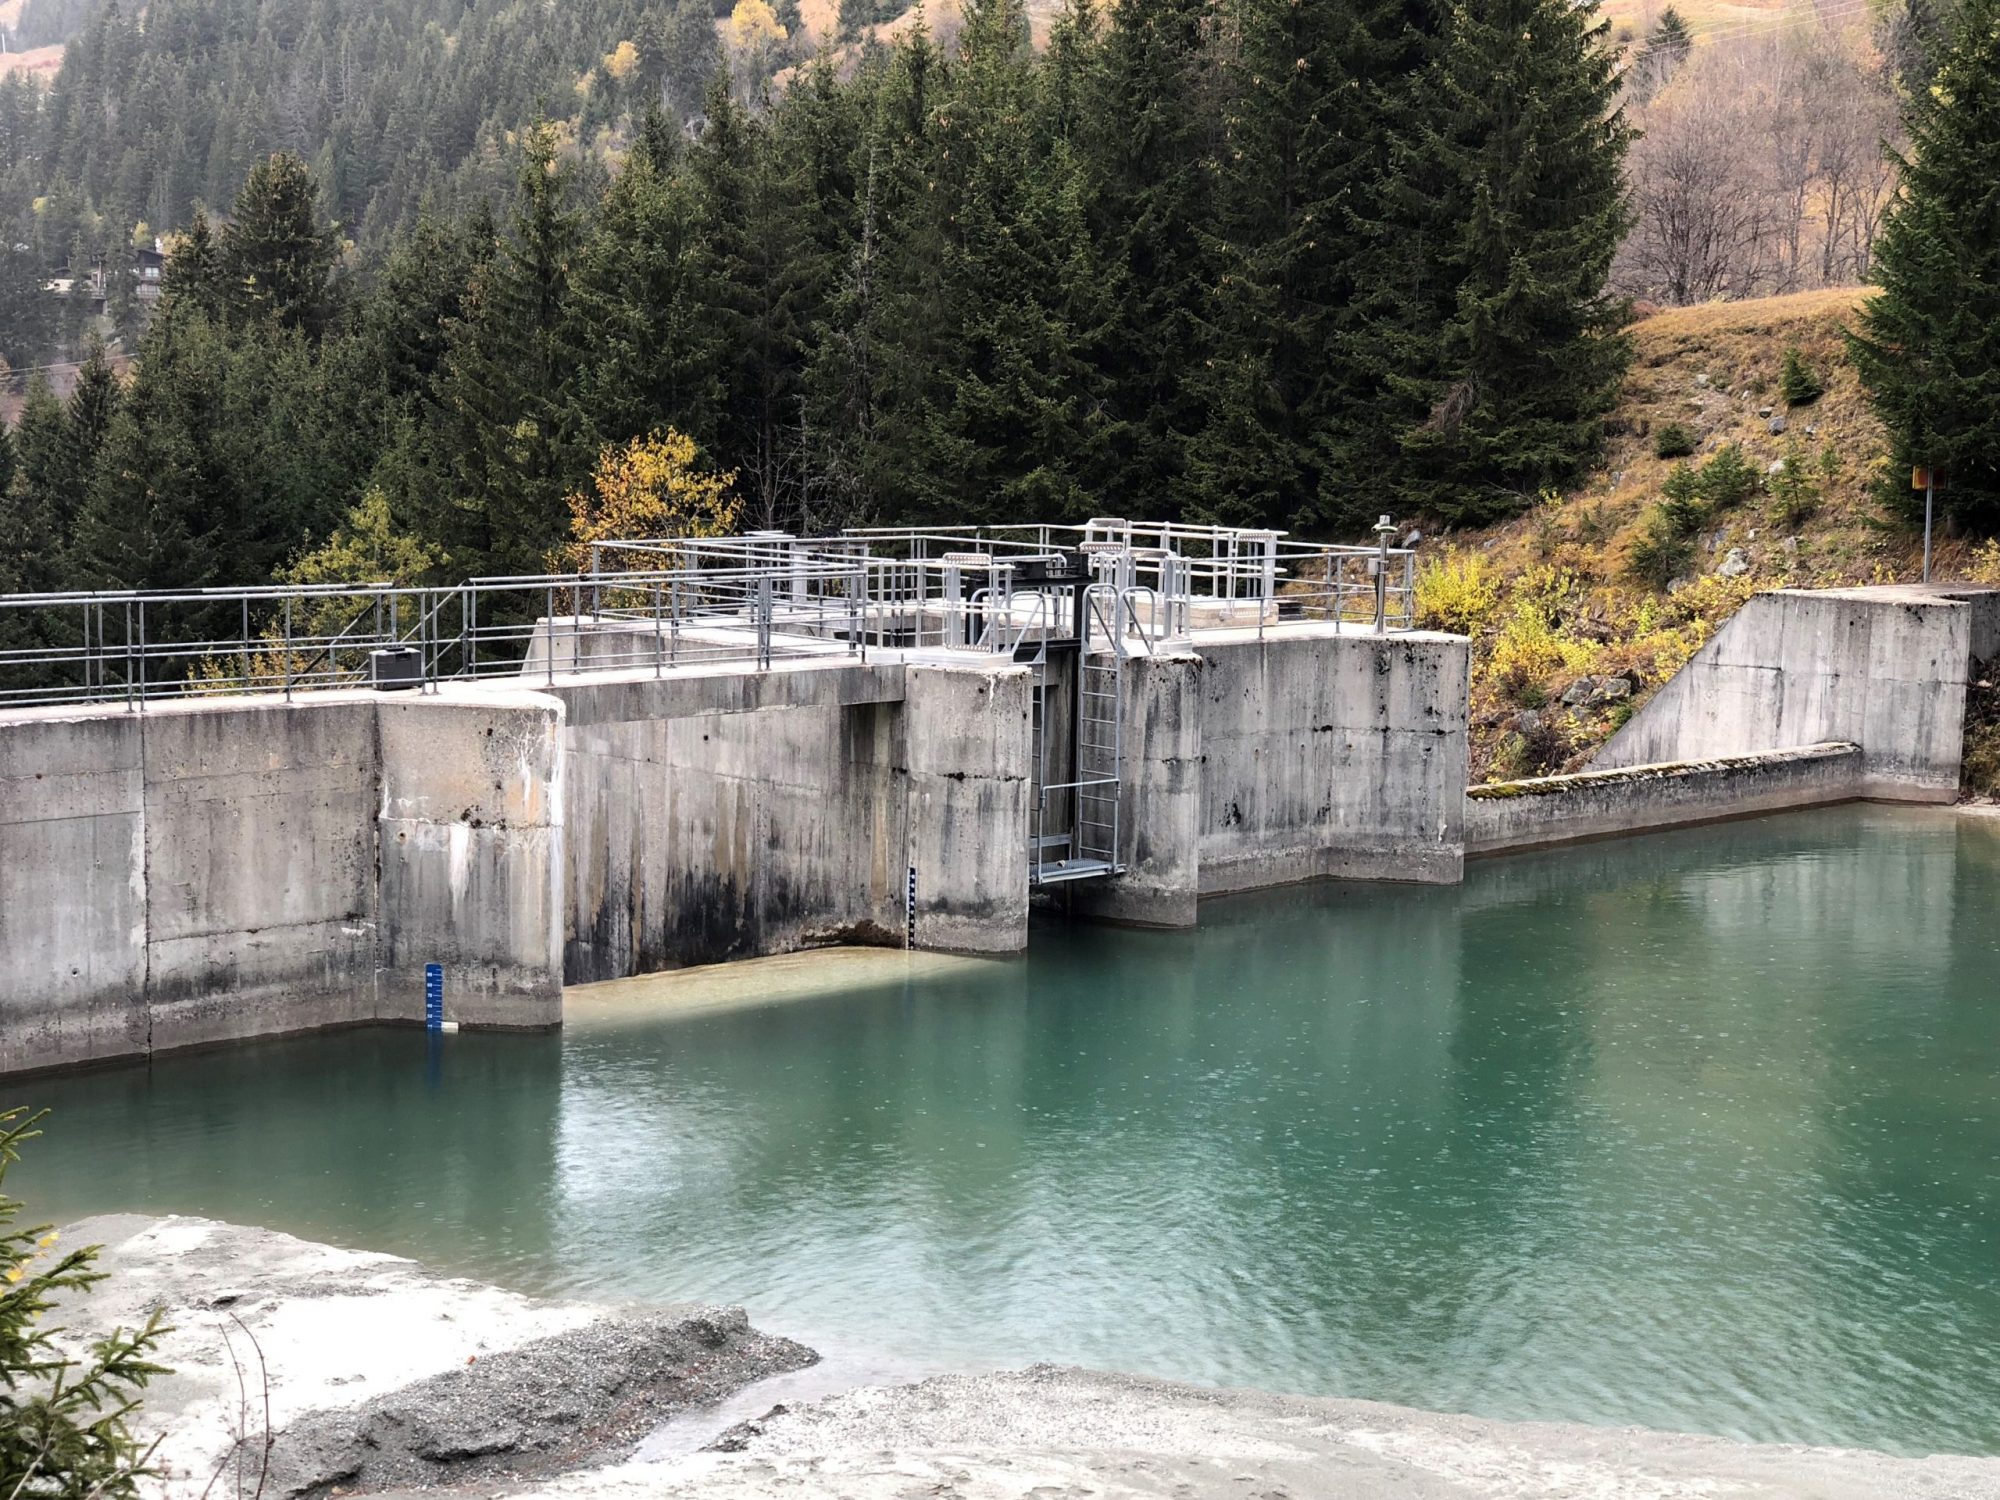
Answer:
(508, 417)
(33, 504)
(276, 254)
(162, 505)
(1511, 196)
(643, 295)
(1147, 137)
(1669, 41)
(1315, 95)
(194, 269)
(984, 403)
(1928, 346)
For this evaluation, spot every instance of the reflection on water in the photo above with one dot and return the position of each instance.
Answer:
(1696, 1131)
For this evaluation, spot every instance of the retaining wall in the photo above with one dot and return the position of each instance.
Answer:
(1601, 804)
(1331, 754)
(221, 868)
(1884, 668)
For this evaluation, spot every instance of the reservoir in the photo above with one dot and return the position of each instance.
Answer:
(1695, 1131)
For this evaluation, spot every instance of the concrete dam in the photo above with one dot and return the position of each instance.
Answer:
(235, 813)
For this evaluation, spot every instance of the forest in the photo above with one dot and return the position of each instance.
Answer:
(1265, 263)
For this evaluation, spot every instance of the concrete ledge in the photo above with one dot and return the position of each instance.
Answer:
(1547, 810)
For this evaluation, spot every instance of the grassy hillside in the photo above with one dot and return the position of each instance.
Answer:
(1582, 608)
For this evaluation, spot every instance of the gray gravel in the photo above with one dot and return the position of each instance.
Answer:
(559, 1403)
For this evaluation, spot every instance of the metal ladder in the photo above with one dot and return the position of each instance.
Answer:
(1088, 847)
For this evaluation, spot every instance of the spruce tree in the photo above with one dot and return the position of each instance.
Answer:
(194, 270)
(1928, 345)
(643, 298)
(38, 505)
(1315, 95)
(1500, 343)
(276, 254)
(508, 419)
(985, 407)
(1668, 43)
(162, 505)
(1147, 136)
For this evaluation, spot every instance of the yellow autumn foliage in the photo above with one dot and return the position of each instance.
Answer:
(753, 25)
(652, 488)
(621, 62)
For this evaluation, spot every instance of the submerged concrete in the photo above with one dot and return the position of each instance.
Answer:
(1543, 810)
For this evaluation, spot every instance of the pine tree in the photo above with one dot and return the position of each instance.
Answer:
(508, 417)
(1928, 347)
(1148, 143)
(1505, 353)
(194, 267)
(276, 254)
(1669, 41)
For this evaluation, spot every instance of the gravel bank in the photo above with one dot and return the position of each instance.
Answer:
(1048, 1432)
(384, 1373)
(387, 1377)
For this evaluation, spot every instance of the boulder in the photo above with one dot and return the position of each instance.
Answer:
(1735, 565)
(1776, 425)
(1578, 692)
(1610, 690)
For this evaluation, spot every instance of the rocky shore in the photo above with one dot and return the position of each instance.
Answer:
(305, 1370)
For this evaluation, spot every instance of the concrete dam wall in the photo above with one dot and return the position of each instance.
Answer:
(218, 869)
(223, 867)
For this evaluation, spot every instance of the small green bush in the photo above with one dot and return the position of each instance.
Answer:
(1683, 507)
(1795, 493)
(1672, 440)
(1798, 382)
(1662, 552)
(1726, 479)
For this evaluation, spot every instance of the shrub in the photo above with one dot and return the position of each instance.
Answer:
(1683, 508)
(1795, 493)
(1798, 382)
(1672, 440)
(1456, 592)
(1661, 552)
(63, 1432)
(1726, 479)
(1531, 646)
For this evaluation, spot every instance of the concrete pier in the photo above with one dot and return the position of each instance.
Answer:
(222, 868)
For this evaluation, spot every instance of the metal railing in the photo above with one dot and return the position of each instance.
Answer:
(662, 605)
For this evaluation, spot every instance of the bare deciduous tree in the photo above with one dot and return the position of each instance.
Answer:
(1761, 168)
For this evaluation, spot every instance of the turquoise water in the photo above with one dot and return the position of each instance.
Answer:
(1697, 1131)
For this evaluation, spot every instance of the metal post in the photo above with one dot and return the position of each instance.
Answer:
(596, 585)
(549, 628)
(288, 648)
(1384, 529)
(764, 620)
(1930, 491)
